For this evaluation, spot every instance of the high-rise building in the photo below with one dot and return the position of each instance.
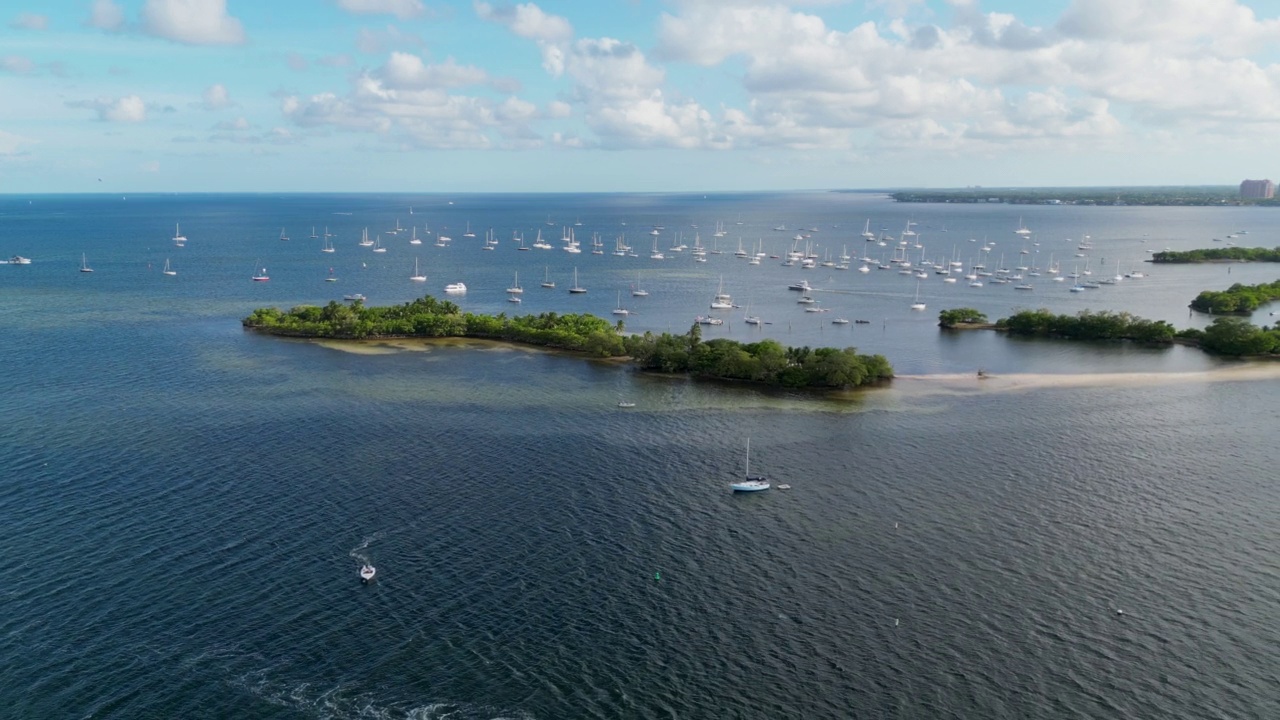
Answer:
(1257, 190)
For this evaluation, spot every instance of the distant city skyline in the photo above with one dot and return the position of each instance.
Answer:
(635, 95)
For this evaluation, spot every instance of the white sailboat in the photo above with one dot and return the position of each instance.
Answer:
(576, 289)
(84, 264)
(168, 270)
(328, 246)
(917, 305)
(749, 482)
(515, 288)
(547, 282)
(377, 245)
(417, 276)
(619, 310)
(260, 275)
(414, 239)
(282, 235)
(364, 239)
(178, 238)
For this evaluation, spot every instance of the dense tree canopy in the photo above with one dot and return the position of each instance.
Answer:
(1238, 337)
(1242, 254)
(958, 316)
(1088, 325)
(1237, 298)
(765, 362)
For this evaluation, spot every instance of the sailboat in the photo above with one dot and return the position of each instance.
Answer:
(167, 269)
(377, 245)
(84, 263)
(576, 289)
(637, 291)
(468, 233)
(414, 240)
(260, 275)
(364, 239)
(749, 483)
(1022, 229)
(417, 276)
(866, 231)
(331, 277)
(917, 305)
(515, 288)
(619, 310)
(313, 232)
(178, 238)
(282, 235)
(547, 282)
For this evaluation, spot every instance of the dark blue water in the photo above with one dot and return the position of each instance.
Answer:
(185, 505)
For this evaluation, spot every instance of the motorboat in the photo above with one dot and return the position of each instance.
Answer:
(367, 572)
(456, 288)
(19, 260)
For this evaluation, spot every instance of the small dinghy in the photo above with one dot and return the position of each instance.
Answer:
(366, 573)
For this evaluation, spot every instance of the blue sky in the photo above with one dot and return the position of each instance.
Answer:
(633, 95)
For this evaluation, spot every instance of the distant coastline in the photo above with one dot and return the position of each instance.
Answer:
(1207, 195)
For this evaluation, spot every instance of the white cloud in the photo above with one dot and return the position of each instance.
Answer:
(216, 97)
(983, 78)
(128, 109)
(16, 64)
(403, 9)
(11, 144)
(376, 42)
(30, 21)
(194, 22)
(106, 15)
(527, 20)
(405, 71)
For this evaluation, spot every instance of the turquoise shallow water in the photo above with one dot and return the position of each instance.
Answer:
(186, 505)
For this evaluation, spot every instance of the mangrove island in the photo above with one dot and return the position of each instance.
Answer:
(766, 362)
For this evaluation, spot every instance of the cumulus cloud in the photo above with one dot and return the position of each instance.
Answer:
(528, 21)
(410, 103)
(215, 97)
(30, 21)
(193, 22)
(11, 144)
(16, 64)
(128, 109)
(376, 42)
(106, 15)
(405, 71)
(403, 9)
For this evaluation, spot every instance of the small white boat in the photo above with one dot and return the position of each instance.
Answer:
(19, 260)
(168, 270)
(84, 263)
(749, 483)
(515, 288)
(625, 404)
(547, 282)
(261, 275)
(367, 572)
(417, 276)
(840, 321)
(354, 297)
(456, 288)
(178, 238)
(576, 289)
(282, 235)
(708, 320)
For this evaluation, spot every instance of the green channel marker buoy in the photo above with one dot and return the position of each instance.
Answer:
(657, 576)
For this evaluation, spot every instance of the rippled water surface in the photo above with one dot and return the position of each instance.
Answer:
(185, 505)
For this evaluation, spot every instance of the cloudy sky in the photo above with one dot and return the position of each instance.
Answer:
(643, 95)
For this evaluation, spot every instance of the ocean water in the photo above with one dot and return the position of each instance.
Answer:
(185, 504)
